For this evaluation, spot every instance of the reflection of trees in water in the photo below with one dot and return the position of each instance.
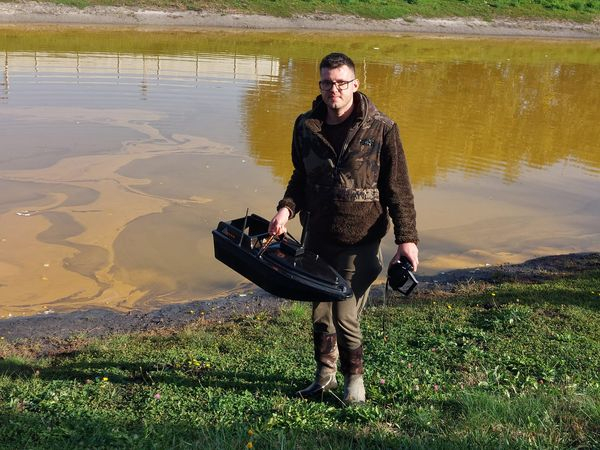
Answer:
(270, 111)
(465, 105)
(480, 117)
(454, 116)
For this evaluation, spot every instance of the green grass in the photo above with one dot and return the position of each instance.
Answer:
(516, 366)
(580, 10)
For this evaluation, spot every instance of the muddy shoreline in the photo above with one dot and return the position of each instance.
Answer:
(38, 13)
(48, 334)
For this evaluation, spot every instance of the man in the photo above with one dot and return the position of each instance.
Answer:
(349, 173)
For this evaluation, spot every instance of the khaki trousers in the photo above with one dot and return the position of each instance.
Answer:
(359, 265)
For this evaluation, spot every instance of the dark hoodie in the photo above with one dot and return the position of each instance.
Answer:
(349, 195)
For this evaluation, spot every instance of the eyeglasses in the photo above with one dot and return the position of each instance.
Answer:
(327, 85)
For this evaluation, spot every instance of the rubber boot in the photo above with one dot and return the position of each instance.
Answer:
(352, 368)
(326, 355)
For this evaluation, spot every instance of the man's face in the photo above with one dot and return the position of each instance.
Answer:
(337, 98)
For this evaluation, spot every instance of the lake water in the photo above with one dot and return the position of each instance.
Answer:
(120, 150)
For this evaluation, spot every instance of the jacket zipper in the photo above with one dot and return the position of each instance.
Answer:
(349, 138)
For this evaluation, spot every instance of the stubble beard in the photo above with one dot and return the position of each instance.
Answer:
(337, 105)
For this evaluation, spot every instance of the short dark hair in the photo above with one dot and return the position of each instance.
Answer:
(335, 60)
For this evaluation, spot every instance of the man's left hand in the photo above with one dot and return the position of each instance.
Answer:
(411, 251)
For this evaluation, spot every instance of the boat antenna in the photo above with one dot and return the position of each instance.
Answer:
(243, 228)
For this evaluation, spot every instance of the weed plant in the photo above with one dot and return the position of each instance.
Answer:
(514, 366)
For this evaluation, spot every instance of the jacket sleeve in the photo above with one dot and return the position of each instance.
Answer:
(294, 197)
(395, 189)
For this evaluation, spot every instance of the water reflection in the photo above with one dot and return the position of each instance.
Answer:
(121, 150)
(468, 117)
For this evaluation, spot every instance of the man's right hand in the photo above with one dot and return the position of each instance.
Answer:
(277, 225)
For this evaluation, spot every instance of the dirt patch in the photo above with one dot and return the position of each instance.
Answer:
(52, 333)
(533, 271)
(28, 12)
(56, 333)
(468, 281)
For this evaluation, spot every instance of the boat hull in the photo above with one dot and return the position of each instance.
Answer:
(283, 268)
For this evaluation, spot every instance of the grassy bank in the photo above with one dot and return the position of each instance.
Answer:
(516, 366)
(579, 10)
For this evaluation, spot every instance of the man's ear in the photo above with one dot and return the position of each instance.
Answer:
(355, 85)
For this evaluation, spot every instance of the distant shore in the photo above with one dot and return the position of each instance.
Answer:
(35, 13)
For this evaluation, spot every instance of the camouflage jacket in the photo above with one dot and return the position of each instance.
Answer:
(350, 195)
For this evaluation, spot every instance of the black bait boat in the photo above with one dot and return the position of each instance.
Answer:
(280, 265)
